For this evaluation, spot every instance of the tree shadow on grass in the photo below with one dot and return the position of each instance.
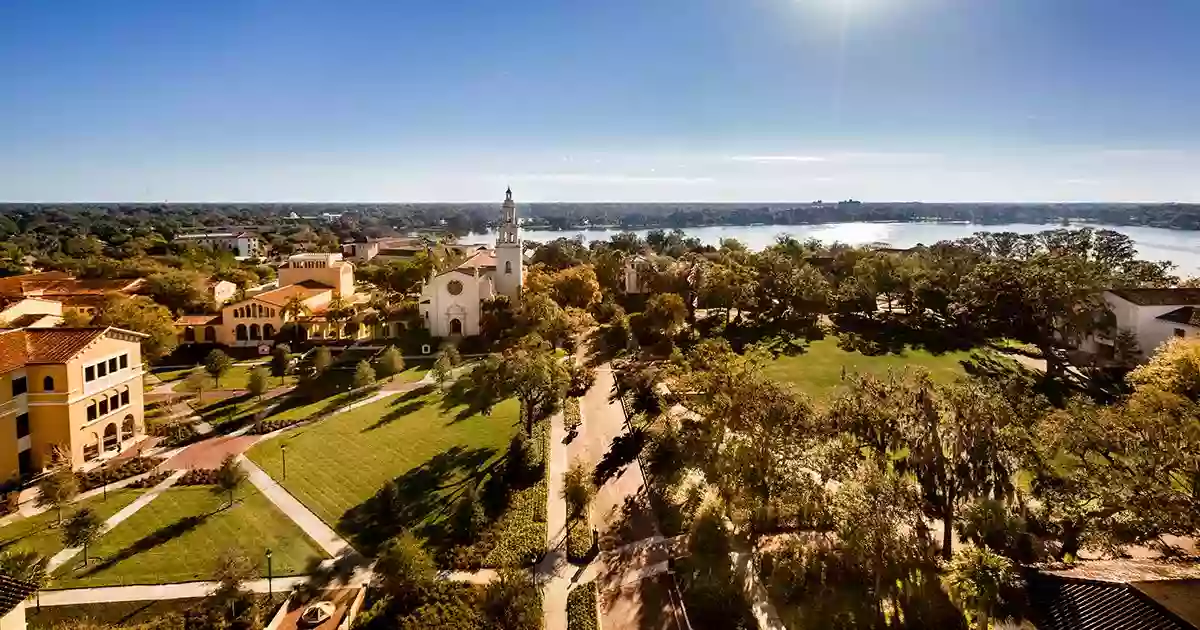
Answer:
(416, 500)
(395, 413)
(624, 449)
(159, 537)
(895, 334)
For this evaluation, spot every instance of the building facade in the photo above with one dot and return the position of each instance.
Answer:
(240, 244)
(307, 286)
(75, 390)
(1152, 316)
(452, 301)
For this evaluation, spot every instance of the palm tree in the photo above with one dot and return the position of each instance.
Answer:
(293, 309)
(338, 311)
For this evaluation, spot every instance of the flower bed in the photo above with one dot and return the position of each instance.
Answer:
(581, 608)
(128, 468)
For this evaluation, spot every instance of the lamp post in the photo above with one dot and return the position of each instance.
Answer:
(270, 584)
(283, 454)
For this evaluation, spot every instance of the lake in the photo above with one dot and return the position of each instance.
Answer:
(1178, 246)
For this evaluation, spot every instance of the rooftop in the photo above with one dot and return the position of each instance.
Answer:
(23, 346)
(1073, 604)
(1159, 297)
(280, 296)
(56, 283)
(1188, 315)
(13, 592)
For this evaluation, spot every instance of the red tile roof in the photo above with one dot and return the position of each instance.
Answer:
(56, 284)
(23, 346)
(280, 296)
(198, 320)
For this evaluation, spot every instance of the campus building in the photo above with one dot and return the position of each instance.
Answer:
(240, 244)
(78, 390)
(302, 294)
(24, 296)
(452, 301)
(1152, 315)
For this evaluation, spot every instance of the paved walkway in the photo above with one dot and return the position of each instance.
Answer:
(552, 570)
(310, 523)
(179, 590)
(65, 555)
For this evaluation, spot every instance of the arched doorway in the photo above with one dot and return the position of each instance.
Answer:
(127, 428)
(268, 331)
(456, 326)
(350, 329)
(241, 332)
(91, 446)
(189, 335)
(210, 334)
(111, 441)
(254, 331)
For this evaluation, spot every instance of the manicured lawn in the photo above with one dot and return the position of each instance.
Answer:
(236, 378)
(818, 371)
(40, 533)
(180, 536)
(337, 465)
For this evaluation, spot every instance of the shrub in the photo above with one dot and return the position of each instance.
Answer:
(582, 378)
(128, 468)
(151, 480)
(198, 477)
(581, 608)
(274, 424)
(579, 539)
(571, 417)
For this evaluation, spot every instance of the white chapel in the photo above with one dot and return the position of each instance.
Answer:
(451, 301)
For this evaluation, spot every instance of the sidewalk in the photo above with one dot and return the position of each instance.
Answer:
(310, 523)
(552, 571)
(149, 592)
(65, 555)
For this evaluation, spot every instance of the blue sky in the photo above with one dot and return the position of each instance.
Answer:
(627, 100)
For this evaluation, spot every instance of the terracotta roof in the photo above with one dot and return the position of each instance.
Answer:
(1189, 315)
(13, 592)
(482, 260)
(1160, 297)
(280, 296)
(198, 320)
(54, 284)
(23, 346)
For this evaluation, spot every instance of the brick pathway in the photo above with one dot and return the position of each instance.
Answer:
(209, 453)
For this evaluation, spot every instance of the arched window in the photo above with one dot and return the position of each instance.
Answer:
(240, 332)
(254, 331)
(111, 441)
(189, 335)
(268, 331)
(48, 384)
(508, 266)
(127, 428)
(210, 334)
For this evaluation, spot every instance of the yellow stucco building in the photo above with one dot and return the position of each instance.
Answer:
(77, 389)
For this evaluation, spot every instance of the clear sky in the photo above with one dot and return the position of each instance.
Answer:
(590, 100)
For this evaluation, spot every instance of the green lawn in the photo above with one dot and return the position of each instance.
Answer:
(817, 372)
(180, 536)
(41, 534)
(236, 378)
(337, 465)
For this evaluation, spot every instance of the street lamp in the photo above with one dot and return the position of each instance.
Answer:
(283, 454)
(270, 585)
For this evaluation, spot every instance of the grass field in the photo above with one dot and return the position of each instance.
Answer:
(236, 378)
(818, 371)
(40, 533)
(122, 614)
(180, 536)
(337, 465)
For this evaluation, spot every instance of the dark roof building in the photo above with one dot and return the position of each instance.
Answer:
(12, 593)
(1159, 297)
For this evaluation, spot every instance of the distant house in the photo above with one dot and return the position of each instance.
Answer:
(32, 293)
(13, 594)
(241, 244)
(1152, 315)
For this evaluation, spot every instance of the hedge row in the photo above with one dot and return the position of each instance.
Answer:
(274, 424)
(571, 416)
(198, 477)
(151, 480)
(581, 608)
(128, 468)
(579, 540)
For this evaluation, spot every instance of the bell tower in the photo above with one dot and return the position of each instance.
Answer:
(509, 270)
